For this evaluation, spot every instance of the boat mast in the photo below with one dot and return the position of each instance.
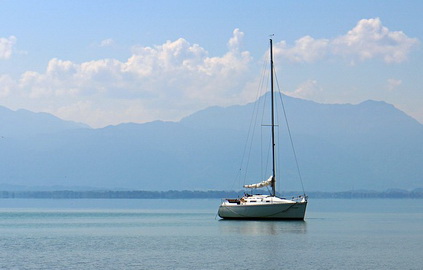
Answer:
(273, 123)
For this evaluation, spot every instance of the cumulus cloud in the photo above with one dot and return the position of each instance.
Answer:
(166, 81)
(393, 84)
(107, 42)
(236, 40)
(6, 47)
(171, 80)
(370, 39)
(6, 85)
(307, 90)
(367, 40)
(306, 49)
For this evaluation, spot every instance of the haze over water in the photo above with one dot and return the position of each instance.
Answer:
(185, 234)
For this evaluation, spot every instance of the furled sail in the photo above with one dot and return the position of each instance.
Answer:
(267, 182)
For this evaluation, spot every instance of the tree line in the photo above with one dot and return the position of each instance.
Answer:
(189, 194)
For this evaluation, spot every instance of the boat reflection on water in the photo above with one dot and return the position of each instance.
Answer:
(262, 227)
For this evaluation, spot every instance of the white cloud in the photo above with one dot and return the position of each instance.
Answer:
(306, 49)
(107, 42)
(393, 84)
(6, 47)
(6, 85)
(173, 79)
(166, 82)
(370, 39)
(367, 40)
(307, 90)
(236, 40)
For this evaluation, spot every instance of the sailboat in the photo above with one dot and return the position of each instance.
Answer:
(267, 207)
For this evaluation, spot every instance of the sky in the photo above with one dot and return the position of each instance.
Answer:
(110, 62)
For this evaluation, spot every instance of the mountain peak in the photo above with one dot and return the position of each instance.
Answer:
(22, 123)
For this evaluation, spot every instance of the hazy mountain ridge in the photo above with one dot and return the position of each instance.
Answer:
(22, 123)
(371, 145)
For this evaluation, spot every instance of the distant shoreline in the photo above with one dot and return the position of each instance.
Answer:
(187, 194)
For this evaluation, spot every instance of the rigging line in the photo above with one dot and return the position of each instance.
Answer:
(253, 122)
(263, 104)
(290, 137)
(265, 156)
(278, 152)
(278, 142)
(260, 90)
(269, 154)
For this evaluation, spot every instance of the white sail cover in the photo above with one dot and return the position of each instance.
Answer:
(265, 183)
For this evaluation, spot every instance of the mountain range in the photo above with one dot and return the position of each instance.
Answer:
(371, 145)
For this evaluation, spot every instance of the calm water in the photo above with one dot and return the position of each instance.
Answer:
(184, 234)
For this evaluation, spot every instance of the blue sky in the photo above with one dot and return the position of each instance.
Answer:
(108, 62)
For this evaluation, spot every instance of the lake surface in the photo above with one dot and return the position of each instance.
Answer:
(186, 234)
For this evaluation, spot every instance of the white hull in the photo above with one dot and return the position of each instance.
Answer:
(286, 209)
